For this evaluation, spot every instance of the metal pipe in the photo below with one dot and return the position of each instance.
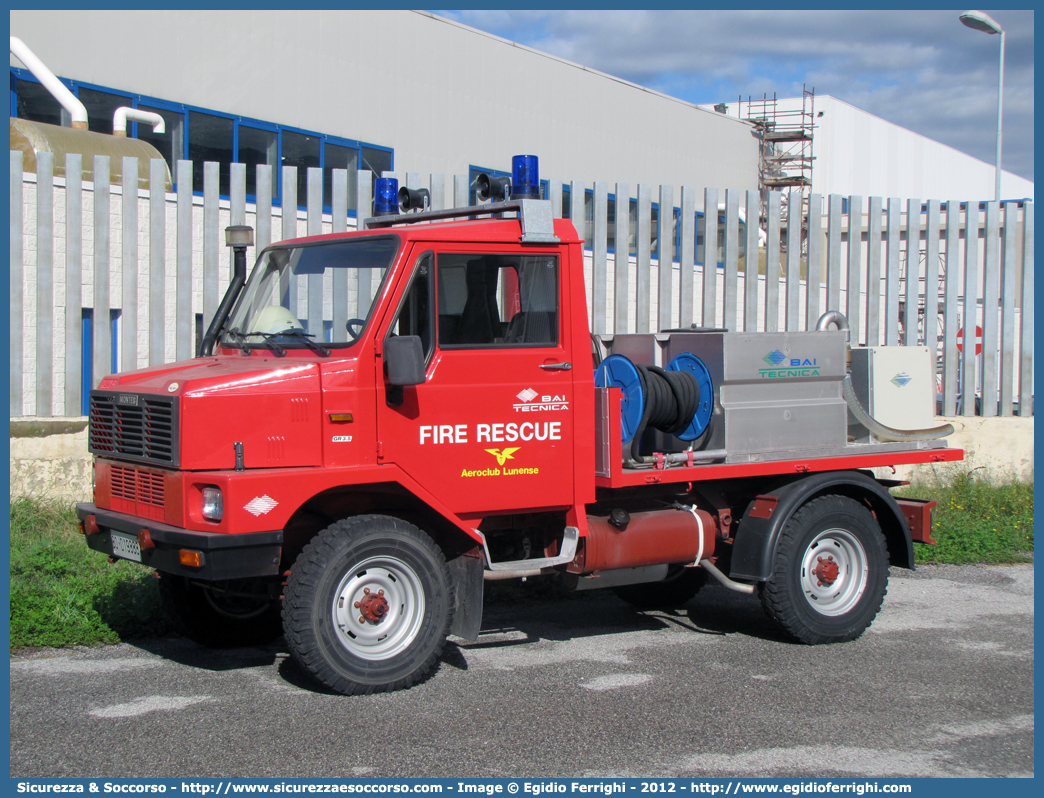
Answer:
(49, 80)
(123, 113)
(496, 576)
(739, 587)
(835, 317)
(882, 432)
(679, 458)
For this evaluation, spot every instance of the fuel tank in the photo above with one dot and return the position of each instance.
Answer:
(631, 540)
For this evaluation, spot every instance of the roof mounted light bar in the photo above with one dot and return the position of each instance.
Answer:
(538, 224)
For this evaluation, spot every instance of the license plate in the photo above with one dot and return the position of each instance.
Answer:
(125, 546)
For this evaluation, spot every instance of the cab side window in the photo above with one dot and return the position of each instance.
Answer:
(497, 300)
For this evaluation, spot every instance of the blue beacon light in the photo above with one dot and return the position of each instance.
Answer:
(386, 197)
(525, 177)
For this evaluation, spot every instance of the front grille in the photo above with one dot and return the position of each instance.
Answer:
(134, 426)
(145, 487)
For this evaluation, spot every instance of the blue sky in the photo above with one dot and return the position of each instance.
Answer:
(922, 70)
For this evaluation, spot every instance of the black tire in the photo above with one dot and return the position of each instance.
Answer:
(830, 574)
(678, 588)
(225, 615)
(356, 644)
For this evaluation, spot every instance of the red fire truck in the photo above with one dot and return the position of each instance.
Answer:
(380, 421)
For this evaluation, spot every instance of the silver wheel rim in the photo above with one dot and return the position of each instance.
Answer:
(400, 588)
(834, 553)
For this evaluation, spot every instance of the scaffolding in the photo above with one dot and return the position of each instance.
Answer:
(786, 135)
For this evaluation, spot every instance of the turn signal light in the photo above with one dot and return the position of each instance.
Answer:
(89, 526)
(190, 558)
(341, 418)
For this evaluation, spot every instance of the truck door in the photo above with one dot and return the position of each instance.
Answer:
(491, 430)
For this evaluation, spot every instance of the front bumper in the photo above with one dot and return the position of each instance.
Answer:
(223, 557)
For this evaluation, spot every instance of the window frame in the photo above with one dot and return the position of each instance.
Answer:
(135, 100)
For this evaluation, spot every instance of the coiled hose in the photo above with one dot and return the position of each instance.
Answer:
(671, 401)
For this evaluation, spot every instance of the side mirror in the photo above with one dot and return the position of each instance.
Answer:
(404, 358)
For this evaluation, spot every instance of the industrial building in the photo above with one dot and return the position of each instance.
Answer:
(378, 90)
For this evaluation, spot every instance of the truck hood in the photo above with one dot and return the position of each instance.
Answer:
(219, 375)
(269, 408)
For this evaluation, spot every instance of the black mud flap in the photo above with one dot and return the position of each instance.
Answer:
(466, 572)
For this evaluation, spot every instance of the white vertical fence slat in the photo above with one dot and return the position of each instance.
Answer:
(931, 286)
(157, 260)
(913, 272)
(751, 265)
(990, 305)
(128, 323)
(873, 272)
(853, 280)
(101, 355)
(772, 230)
(621, 256)
(951, 287)
(288, 285)
(212, 241)
(44, 282)
(184, 318)
(313, 227)
(263, 205)
(687, 257)
(833, 275)
(970, 314)
(793, 280)
(710, 257)
(16, 278)
(892, 248)
(730, 295)
(664, 258)
(936, 298)
(437, 190)
(1026, 317)
(814, 277)
(600, 268)
(1007, 311)
(643, 281)
(73, 283)
(339, 224)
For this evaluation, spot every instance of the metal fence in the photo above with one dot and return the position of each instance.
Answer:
(112, 277)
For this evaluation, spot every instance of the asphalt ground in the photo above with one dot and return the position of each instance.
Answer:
(941, 685)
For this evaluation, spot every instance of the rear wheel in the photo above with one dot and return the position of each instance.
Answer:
(830, 574)
(367, 605)
(679, 587)
(239, 612)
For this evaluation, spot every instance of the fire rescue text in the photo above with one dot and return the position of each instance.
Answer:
(492, 433)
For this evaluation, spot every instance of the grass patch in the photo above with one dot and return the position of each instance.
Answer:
(65, 594)
(976, 522)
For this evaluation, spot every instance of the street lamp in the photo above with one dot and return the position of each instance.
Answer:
(985, 23)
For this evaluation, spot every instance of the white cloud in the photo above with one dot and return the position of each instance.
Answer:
(920, 69)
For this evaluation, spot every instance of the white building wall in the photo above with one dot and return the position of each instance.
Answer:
(443, 95)
(861, 154)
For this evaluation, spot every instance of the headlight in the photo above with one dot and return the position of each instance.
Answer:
(212, 505)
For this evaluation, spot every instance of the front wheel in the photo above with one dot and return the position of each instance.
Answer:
(830, 574)
(367, 605)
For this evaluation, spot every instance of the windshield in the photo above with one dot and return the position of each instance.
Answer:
(312, 294)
